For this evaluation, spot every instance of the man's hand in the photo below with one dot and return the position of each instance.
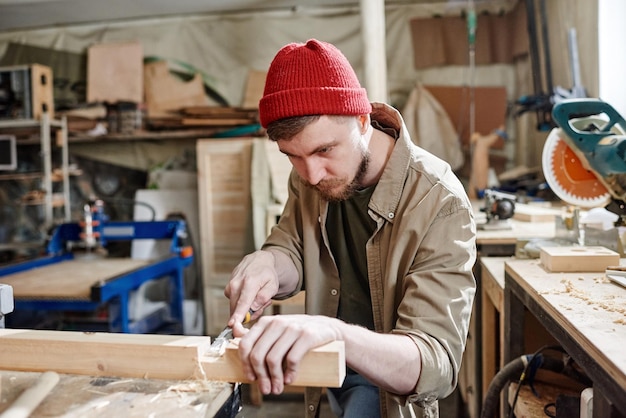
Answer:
(272, 349)
(252, 284)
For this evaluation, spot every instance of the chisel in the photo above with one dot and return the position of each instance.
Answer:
(218, 346)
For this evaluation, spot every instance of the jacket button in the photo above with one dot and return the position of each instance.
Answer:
(334, 292)
(391, 215)
(311, 407)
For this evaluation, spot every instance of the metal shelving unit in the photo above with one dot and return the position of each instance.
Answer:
(46, 124)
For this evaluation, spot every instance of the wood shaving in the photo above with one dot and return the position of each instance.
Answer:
(195, 386)
(609, 306)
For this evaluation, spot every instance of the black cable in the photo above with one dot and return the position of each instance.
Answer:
(548, 411)
(134, 202)
(525, 372)
(512, 370)
(146, 205)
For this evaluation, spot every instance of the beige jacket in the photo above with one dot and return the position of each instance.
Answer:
(420, 262)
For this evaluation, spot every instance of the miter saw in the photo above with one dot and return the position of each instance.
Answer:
(584, 158)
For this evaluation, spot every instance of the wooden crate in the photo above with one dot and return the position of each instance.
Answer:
(35, 96)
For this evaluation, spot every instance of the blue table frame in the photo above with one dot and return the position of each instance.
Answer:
(114, 293)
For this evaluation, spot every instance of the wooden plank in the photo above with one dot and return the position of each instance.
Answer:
(221, 112)
(324, 366)
(71, 279)
(102, 354)
(254, 89)
(533, 213)
(215, 121)
(530, 404)
(580, 259)
(115, 72)
(490, 102)
(149, 356)
(492, 332)
(41, 85)
(164, 92)
(493, 279)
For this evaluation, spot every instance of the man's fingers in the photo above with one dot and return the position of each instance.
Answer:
(275, 359)
(272, 350)
(252, 353)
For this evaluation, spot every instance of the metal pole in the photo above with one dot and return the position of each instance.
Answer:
(46, 155)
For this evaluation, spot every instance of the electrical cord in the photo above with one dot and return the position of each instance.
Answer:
(547, 409)
(523, 368)
(135, 203)
(531, 362)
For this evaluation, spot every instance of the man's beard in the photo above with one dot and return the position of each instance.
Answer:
(328, 188)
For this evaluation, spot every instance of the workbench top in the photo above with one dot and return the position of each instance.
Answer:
(69, 279)
(519, 229)
(81, 396)
(584, 312)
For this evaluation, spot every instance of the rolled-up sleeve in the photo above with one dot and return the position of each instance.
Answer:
(437, 295)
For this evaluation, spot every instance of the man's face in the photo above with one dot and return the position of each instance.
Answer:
(330, 155)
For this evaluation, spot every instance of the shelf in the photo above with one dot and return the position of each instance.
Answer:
(28, 123)
(145, 136)
(57, 201)
(45, 126)
(21, 176)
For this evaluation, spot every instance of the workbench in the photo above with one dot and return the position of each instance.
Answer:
(490, 243)
(492, 321)
(584, 312)
(91, 284)
(492, 327)
(78, 396)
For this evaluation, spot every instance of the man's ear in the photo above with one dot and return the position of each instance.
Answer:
(364, 123)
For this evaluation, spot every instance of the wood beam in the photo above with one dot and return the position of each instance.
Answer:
(149, 356)
(323, 366)
(102, 354)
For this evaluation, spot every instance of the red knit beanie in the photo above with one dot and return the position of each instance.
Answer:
(311, 79)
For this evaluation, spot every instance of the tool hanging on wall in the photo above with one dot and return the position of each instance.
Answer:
(543, 99)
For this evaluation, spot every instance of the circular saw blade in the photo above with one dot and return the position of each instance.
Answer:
(567, 176)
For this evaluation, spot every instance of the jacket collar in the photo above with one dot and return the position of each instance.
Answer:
(386, 198)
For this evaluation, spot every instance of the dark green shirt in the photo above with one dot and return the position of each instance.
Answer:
(349, 227)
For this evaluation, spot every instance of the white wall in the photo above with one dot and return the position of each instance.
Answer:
(612, 53)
